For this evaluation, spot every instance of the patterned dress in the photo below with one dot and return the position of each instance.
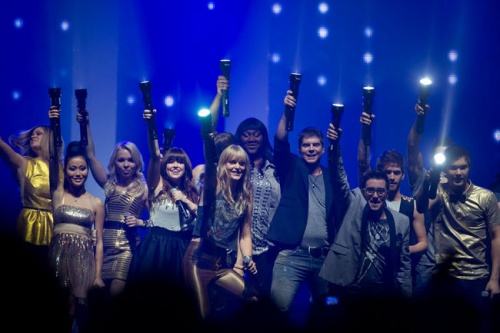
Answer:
(119, 241)
(71, 251)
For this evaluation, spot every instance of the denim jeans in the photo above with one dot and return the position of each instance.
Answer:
(291, 269)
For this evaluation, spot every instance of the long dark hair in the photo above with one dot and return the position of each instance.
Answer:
(187, 185)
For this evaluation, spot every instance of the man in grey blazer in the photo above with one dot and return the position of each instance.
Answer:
(370, 253)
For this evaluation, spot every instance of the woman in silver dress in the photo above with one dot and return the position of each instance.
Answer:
(73, 256)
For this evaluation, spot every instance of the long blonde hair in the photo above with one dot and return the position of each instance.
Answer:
(244, 191)
(137, 186)
(21, 142)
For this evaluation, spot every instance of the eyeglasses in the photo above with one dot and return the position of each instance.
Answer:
(371, 191)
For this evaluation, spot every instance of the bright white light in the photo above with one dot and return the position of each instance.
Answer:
(64, 25)
(368, 32)
(368, 58)
(496, 135)
(18, 23)
(452, 79)
(130, 100)
(425, 81)
(323, 7)
(453, 55)
(439, 158)
(203, 112)
(16, 95)
(169, 101)
(210, 5)
(321, 80)
(276, 8)
(275, 58)
(322, 32)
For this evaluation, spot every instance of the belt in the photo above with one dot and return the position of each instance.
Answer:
(315, 252)
(115, 225)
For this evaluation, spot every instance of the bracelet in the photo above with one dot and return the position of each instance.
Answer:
(238, 267)
(147, 223)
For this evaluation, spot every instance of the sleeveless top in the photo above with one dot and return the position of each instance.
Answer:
(35, 222)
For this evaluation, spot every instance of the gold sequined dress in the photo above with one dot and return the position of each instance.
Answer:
(71, 251)
(35, 222)
(119, 241)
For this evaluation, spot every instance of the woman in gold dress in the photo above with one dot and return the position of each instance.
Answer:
(126, 195)
(27, 155)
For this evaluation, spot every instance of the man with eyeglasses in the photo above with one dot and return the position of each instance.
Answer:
(392, 163)
(369, 256)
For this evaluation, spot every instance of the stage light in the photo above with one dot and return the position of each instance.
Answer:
(425, 89)
(295, 79)
(55, 123)
(205, 117)
(81, 105)
(368, 94)
(148, 105)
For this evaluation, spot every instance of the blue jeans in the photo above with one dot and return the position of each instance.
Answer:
(291, 269)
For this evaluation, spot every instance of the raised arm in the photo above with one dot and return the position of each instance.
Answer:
(222, 84)
(363, 149)
(15, 161)
(281, 132)
(415, 159)
(56, 183)
(98, 171)
(153, 174)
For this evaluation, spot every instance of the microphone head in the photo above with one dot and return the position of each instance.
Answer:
(225, 66)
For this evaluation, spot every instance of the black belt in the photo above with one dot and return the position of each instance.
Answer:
(315, 252)
(115, 225)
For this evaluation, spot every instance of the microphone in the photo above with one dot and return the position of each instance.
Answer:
(225, 66)
(148, 105)
(179, 204)
(368, 93)
(425, 90)
(55, 123)
(81, 95)
(295, 79)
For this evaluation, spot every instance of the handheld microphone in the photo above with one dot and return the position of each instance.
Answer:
(337, 111)
(148, 105)
(179, 204)
(81, 96)
(368, 93)
(225, 66)
(55, 123)
(246, 260)
(295, 79)
(425, 90)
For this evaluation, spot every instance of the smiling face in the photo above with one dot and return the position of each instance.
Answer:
(175, 170)
(311, 149)
(235, 168)
(76, 172)
(252, 141)
(375, 193)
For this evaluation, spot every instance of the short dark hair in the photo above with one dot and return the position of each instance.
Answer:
(374, 174)
(453, 153)
(391, 156)
(311, 131)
